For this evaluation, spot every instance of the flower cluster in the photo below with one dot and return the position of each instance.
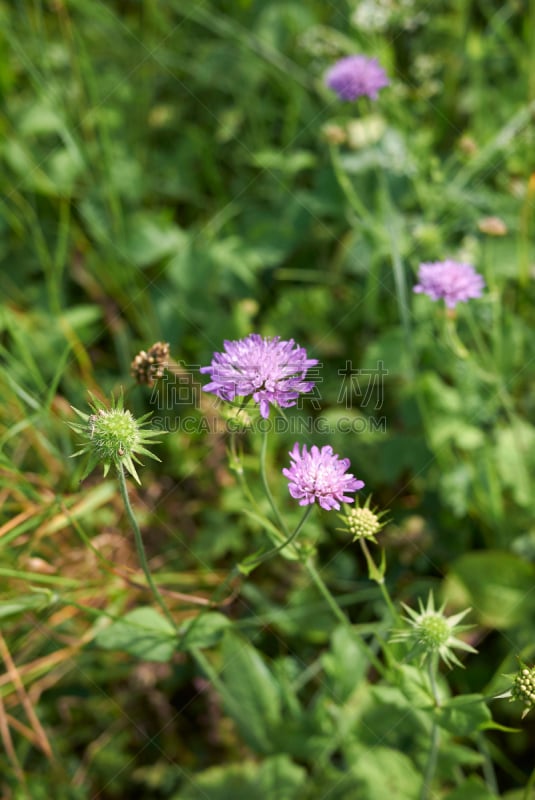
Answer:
(356, 76)
(320, 475)
(449, 280)
(269, 370)
(431, 632)
(523, 688)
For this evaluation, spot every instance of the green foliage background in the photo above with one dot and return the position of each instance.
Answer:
(168, 173)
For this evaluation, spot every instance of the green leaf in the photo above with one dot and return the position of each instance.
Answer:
(515, 460)
(26, 602)
(280, 779)
(287, 163)
(497, 726)
(151, 237)
(143, 633)
(472, 789)
(414, 686)
(277, 778)
(464, 715)
(256, 705)
(346, 663)
(498, 585)
(384, 772)
(203, 631)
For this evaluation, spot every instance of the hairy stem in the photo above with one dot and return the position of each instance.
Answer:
(435, 733)
(263, 473)
(289, 540)
(140, 547)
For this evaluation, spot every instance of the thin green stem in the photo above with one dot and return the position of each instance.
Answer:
(355, 203)
(528, 794)
(263, 473)
(435, 732)
(289, 540)
(140, 547)
(237, 467)
(331, 602)
(484, 352)
(337, 611)
(453, 340)
(376, 574)
(487, 765)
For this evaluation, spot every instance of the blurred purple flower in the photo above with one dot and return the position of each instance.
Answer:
(271, 370)
(356, 76)
(454, 282)
(320, 475)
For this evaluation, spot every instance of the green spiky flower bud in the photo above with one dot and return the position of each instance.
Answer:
(113, 436)
(362, 522)
(431, 632)
(434, 631)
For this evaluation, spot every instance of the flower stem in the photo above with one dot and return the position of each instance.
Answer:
(435, 733)
(452, 338)
(337, 611)
(139, 545)
(289, 540)
(216, 682)
(529, 786)
(355, 203)
(376, 574)
(236, 465)
(263, 472)
(331, 602)
(487, 765)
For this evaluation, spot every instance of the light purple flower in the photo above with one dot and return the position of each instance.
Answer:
(454, 282)
(266, 368)
(320, 475)
(356, 76)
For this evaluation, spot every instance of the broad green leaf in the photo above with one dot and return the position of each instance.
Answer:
(472, 789)
(276, 778)
(390, 719)
(203, 631)
(255, 695)
(464, 715)
(515, 460)
(384, 772)
(40, 118)
(280, 779)
(497, 585)
(151, 237)
(414, 685)
(345, 663)
(143, 633)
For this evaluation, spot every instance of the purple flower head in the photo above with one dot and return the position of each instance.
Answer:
(320, 475)
(266, 368)
(455, 282)
(356, 76)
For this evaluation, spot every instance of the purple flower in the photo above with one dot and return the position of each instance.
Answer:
(320, 475)
(266, 368)
(356, 76)
(455, 282)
